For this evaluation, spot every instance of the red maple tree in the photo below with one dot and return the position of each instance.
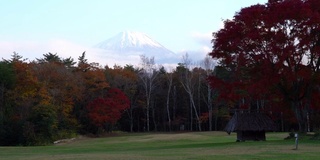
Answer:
(272, 49)
(108, 110)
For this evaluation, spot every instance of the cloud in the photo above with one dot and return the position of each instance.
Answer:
(27, 49)
(195, 55)
(64, 49)
(202, 49)
(107, 58)
(133, 58)
(202, 38)
(36, 49)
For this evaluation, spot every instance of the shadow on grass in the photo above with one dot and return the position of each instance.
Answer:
(219, 145)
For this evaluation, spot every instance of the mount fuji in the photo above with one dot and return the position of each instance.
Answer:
(130, 45)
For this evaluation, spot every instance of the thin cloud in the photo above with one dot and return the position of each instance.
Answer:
(204, 46)
(34, 49)
(195, 55)
(27, 49)
(202, 38)
(65, 49)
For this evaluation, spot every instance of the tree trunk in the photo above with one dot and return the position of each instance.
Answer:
(169, 119)
(301, 115)
(148, 93)
(216, 123)
(2, 89)
(195, 110)
(148, 123)
(131, 119)
(168, 100)
(191, 116)
(154, 117)
(199, 103)
(1, 98)
(174, 102)
(210, 108)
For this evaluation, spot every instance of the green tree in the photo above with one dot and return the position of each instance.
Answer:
(49, 57)
(7, 80)
(69, 62)
(42, 126)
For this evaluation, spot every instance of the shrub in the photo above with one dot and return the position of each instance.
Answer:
(42, 125)
(316, 135)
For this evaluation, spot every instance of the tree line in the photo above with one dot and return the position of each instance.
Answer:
(267, 61)
(53, 97)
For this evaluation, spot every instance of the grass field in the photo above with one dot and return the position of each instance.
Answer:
(168, 146)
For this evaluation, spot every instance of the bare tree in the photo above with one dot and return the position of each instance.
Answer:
(188, 84)
(170, 79)
(148, 75)
(208, 65)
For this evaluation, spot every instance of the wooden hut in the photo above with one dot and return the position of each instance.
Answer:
(250, 126)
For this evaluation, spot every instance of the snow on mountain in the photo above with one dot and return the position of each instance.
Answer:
(129, 44)
(127, 39)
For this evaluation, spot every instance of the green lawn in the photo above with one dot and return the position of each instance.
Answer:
(155, 146)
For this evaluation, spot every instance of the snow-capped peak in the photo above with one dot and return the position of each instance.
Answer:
(129, 41)
(137, 39)
(129, 46)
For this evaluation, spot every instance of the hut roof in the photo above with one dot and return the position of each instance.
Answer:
(250, 122)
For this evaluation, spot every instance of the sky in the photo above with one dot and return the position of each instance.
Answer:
(69, 27)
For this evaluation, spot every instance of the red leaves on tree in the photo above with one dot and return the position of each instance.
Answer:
(109, 109)
(273, 48)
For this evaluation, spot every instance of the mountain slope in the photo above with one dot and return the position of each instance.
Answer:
(133, 44)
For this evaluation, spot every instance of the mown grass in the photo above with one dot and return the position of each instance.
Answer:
(168, 146)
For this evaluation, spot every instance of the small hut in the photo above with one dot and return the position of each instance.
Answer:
(250, 126)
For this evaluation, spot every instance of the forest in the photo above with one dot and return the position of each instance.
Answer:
(53, 98)
(266, 59)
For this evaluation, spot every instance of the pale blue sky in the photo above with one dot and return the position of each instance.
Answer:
(32, 27)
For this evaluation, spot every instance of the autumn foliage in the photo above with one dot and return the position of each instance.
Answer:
(108, 110)
(271, 49)
(269, 60)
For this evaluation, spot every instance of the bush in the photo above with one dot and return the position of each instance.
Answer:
(65, 134)
(42, 125)
(300, 135)
(316, 135)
